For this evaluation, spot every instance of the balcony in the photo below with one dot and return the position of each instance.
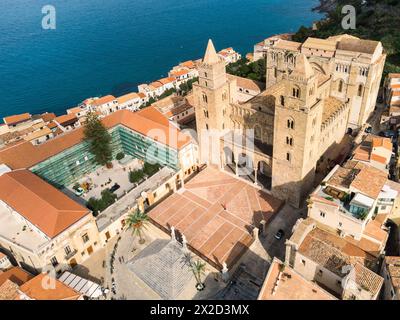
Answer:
(70, 255)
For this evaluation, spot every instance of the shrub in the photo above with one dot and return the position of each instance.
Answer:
(135, 176)
(120, 156)
(99, 205)
(150, 169)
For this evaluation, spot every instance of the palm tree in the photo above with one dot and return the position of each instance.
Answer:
(198, 269)
(137, 221)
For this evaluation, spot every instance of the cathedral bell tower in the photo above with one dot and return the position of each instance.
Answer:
(211, 100)
(297, 122)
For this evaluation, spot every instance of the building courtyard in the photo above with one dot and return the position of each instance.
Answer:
(216, 213)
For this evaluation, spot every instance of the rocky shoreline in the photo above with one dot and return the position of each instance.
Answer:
(325, 6)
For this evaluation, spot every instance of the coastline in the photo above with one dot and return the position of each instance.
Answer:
(325, 6)
(85, 66)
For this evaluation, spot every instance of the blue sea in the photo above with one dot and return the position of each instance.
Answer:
(110, 46)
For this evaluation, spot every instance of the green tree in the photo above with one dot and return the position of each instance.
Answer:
(150, 168)
(99, 205)
(99, 139)
(135, 176)
(120, 156)
(137, 221)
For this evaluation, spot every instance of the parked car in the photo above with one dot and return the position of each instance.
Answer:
(79, 191)
(279, 234)
(115, 187)
(368, 129)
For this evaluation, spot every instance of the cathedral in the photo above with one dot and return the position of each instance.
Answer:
(315, 93)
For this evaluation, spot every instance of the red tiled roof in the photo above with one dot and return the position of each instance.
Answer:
(156, 84)
(291, 287)
(189, 64)
(127, 97)
(66, 118)
(382, 142)
(47, 117)
(40, 203)
(26, 155)
(34, 289)
(378, 158)
(178, 73)
(167, 80)
(17, 118)
(16, 275)
(103, 100)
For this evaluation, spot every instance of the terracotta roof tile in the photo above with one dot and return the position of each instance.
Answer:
(247, 83)
(16, 275)
(382, 142)
(40, 203)
(66, 118)
(17, 118)
(26, 155)
(292, 286)
(8, 290)
(167, 80)
(177, 73)
(103, 100)
(189, 64)
(127, 97)
(393, 268)
(34, 289)
(47, 117)
(333, 253)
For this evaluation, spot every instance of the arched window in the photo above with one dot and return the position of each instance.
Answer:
(290, 124)
(205, 100)
(296, 92)
(340, 86)
(288, 156)
(360, 90)
(282, 100)
(289, 141)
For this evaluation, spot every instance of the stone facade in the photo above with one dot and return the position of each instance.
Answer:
(313, 96)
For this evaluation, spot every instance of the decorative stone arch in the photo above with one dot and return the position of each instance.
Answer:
(245, 165)
(289, 140)
(296, 91)
(340, 85)
(229, 156)
(290, 123)
(317, 67)
(263, 174)
(204, 97)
